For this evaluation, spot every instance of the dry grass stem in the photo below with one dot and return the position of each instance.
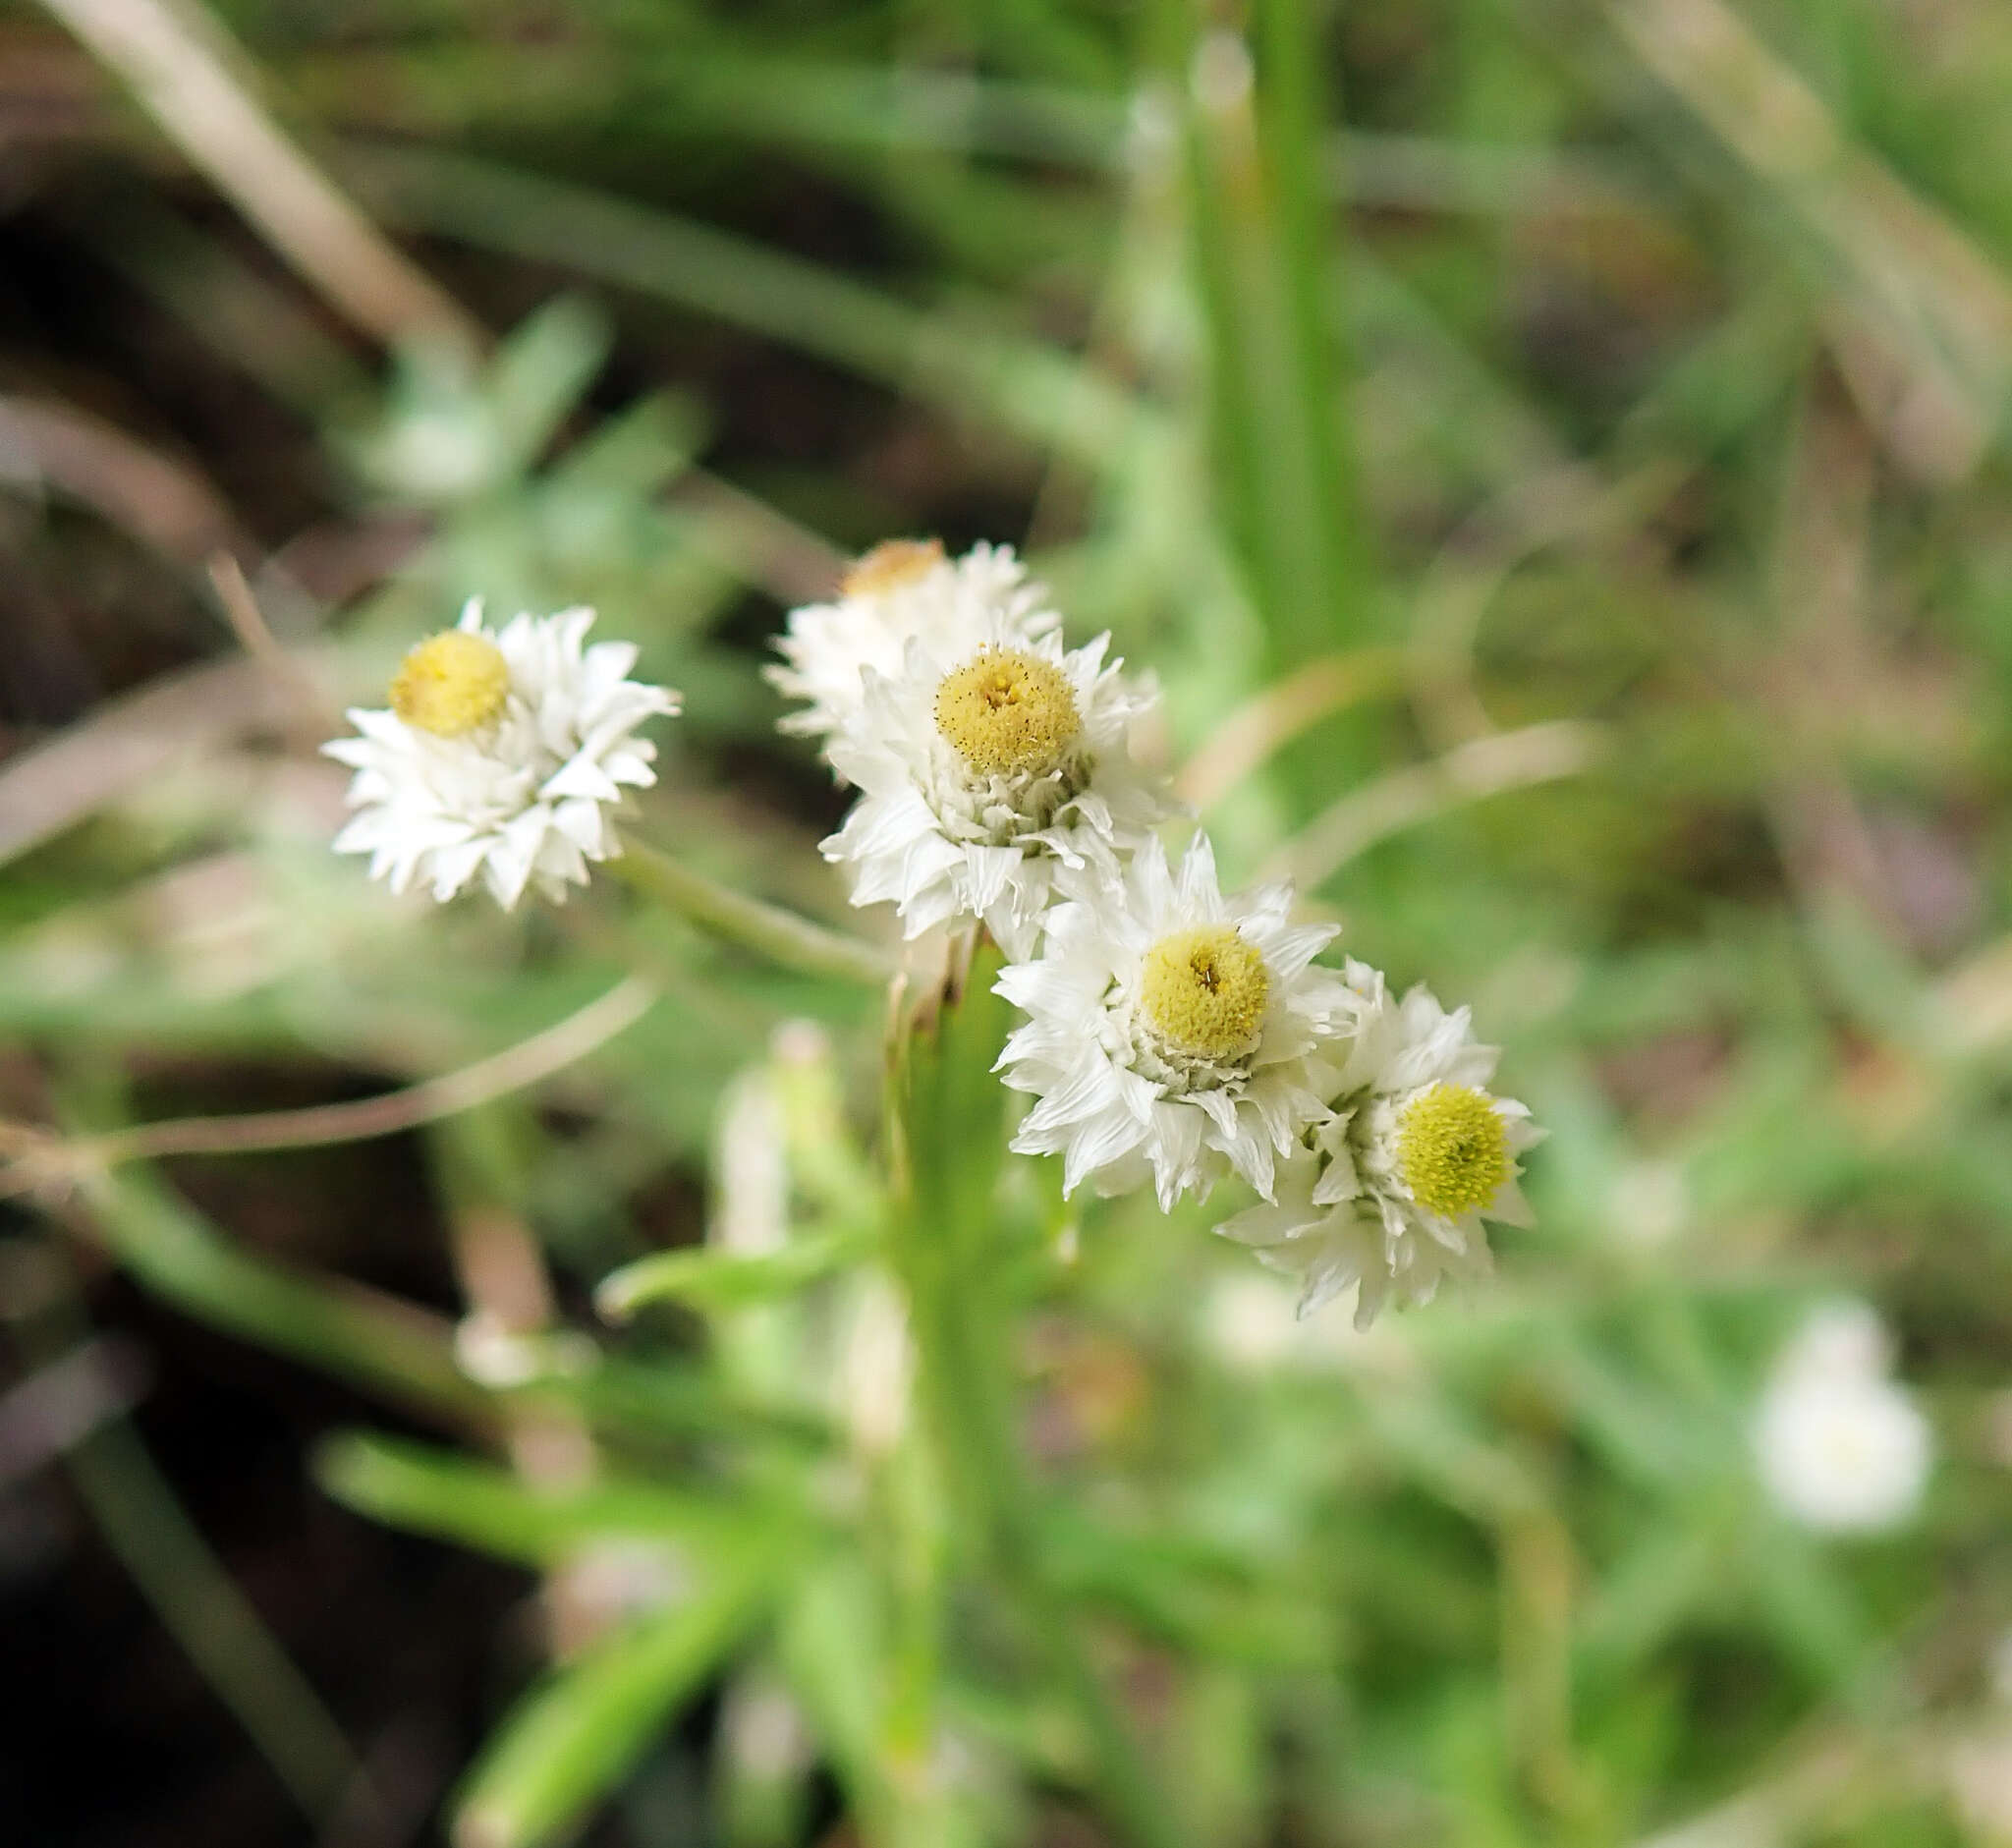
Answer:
(767, 547)
(1485, 767)
(512, 1069)
(126, 743)
(1264, 725)
(166, 505)
(178, 66)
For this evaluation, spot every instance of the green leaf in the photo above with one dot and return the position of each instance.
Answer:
(832, 1645)
(714, 1279)
(175, 1254)
(541, 371)
(1266, 254)
(575, 1734)
(475, 1504)
(970, 363)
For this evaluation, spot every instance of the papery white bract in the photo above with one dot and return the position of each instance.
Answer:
(1839, 1446)
(515, 747)
(992, 773)
(1173, 1032)
(1390, 1185)
(904, 588)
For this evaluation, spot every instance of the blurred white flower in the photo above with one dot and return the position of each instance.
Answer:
(1389, 1187)
(1172, 1030)
(987, 770)
(1840, 1448)
(877, 1365)
(751, 1211)
(1249, 1325)
(762, 1730)
(501, 754)
(903, 588)
(1841, 1339)
(1650, 1202)
(1980, 1773)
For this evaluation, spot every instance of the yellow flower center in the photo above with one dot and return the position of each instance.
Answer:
(1205, 988)
(452, 684)
(1008, 712)
(890, 565)
(1452, 1149)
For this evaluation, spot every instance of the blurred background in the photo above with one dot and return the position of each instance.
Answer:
(1553, 454)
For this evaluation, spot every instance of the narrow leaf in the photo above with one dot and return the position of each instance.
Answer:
(710, 1278)
(574, 1736)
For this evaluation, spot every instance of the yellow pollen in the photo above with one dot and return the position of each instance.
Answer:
(1008, 712)
(1205, 988)
(890, 565)
(1452, 1149)
(452, 684)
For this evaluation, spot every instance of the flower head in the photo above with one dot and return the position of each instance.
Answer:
(903, 588)
(1389, 1188)
(500, 754)
(1173, 1032)
(994, 770)
(1839, 1446)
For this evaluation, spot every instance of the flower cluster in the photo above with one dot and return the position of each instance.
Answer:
(1174, 1034)
(993, 765)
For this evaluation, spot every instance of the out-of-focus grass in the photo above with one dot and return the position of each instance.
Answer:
(1629, 379)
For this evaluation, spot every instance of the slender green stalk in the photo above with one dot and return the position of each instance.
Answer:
(399, 1352)
(147, 1526)
(945, 1122)
(707, 1276)
(733, 917)
(1266, 248)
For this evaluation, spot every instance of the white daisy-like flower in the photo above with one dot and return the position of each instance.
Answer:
(901, 588)
(500, 754)
(1390, 1185)
(1840, 1448)
(1842, 1339)
(991, 766)
(1173, 1032)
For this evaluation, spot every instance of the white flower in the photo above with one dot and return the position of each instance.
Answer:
(501, 754)
(1389, 1188)
(1248, 1321)
(1839, 1446)
(1172, 1030)
(902, 588)
(986, 770)
(1842, 1339)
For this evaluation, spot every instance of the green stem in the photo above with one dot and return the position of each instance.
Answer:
(768, 930)
(947, 1123)
(379, 1343)
(374, 1341)
(146, 1527)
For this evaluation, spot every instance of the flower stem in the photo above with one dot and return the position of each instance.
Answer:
(947, 1134)
(768, 930)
